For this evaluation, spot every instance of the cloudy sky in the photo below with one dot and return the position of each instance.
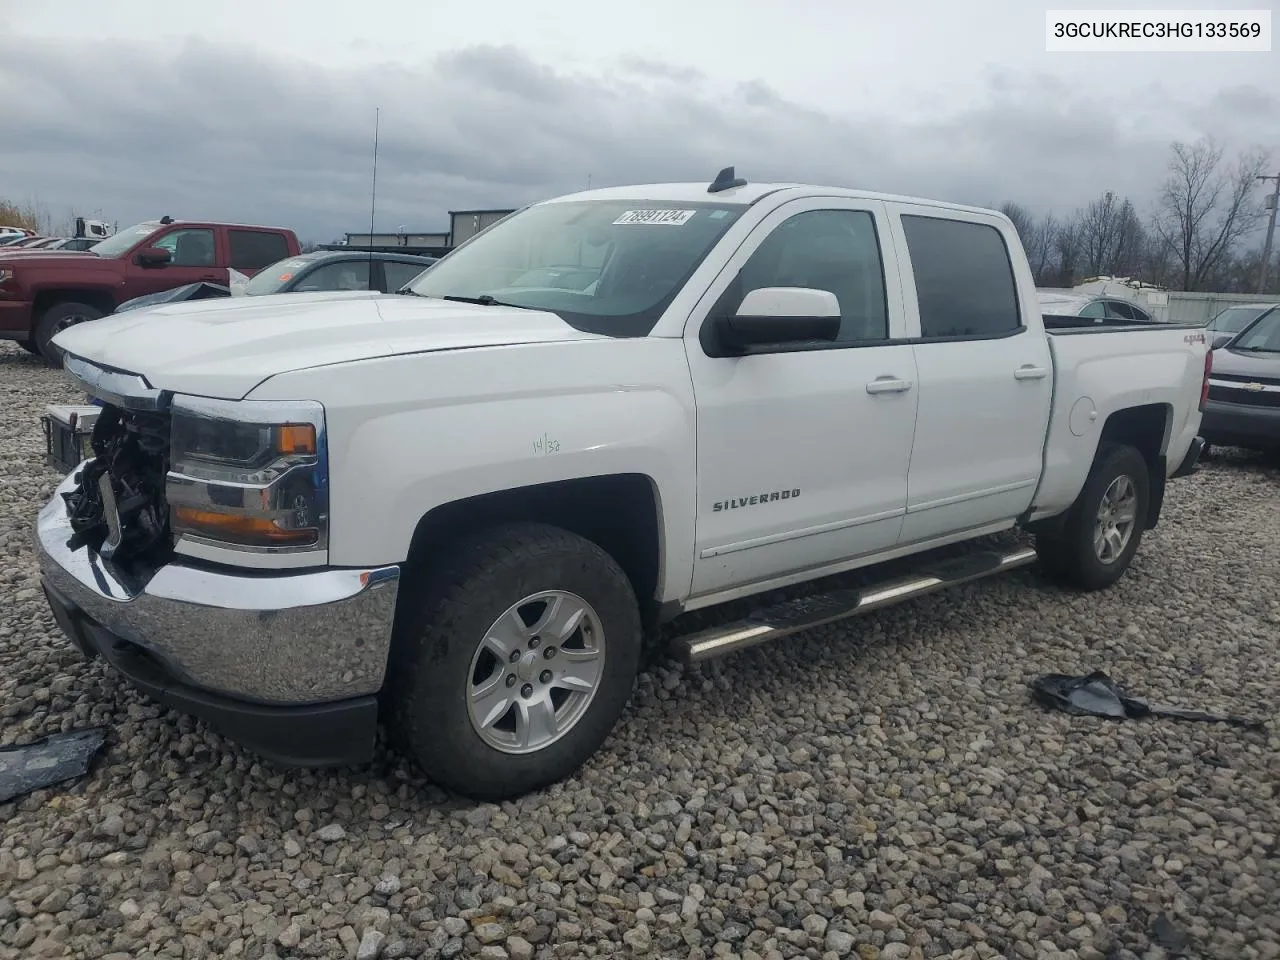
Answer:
(263, 111)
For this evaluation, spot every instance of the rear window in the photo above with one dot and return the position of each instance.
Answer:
(398, 274)
(273, 280)
(254, 249)
(964, 278)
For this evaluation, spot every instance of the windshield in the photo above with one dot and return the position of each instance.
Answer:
(605, 266)
(271, 279)
(1263, 336)
(1235, 319)
(124, 241)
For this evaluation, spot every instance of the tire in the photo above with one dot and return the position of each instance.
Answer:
(29, 346)
(1070, 554)
(56, 319)
(446, 648)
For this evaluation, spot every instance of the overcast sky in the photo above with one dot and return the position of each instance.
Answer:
(263, 111)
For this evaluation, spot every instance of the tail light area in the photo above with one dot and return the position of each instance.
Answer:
(1204, 386)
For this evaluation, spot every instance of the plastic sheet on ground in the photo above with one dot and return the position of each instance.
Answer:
(1097, 695)
(55, 759)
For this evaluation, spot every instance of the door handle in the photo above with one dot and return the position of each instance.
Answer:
(888, 385)
(1030, 371)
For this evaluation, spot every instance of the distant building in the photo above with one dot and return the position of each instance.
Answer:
(417, 238)
(463, 225)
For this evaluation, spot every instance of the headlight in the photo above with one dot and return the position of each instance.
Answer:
(251, 476)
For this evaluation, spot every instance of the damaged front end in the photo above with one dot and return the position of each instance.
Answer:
(119, 509)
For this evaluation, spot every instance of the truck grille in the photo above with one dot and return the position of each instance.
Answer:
(1244, 390)
(130, 526)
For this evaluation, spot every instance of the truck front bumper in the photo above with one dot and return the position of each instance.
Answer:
(289, 665)
(1241, 425)
(15, 319)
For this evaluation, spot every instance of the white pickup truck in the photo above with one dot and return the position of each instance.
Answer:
(471, 503)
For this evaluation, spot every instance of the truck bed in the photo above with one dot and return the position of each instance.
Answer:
(1157, 367)
(1058, 324)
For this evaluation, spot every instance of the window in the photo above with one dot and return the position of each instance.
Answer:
(832, 250)
(280, 275)
(399, 274)
(1117, 310)
(1095, 309)
(190, 248)
(1263, 336)
(255, 249)
(343, 275)
(1235, 319)
(964, 280)
(606, 266)
(123, 241)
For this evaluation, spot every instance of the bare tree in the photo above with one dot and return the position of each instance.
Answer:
(1023, 220)
(1204, 210)
(1066, 244)
(1041, 252)
(1111, 236)
(1037, 236)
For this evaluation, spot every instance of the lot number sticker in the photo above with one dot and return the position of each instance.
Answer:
(671, 218)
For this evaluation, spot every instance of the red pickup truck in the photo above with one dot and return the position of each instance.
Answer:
(43, 293)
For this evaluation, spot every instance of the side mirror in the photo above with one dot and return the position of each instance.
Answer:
(1220, 340)
(772, 316)
(153, 257)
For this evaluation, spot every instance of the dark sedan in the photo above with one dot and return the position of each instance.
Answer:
(1243, 409)
(306, 273)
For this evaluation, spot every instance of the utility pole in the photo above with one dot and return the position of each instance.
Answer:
(1271, 232)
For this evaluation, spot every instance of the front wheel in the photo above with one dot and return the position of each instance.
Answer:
(1093, 548)
(53, 321)
(514, 663)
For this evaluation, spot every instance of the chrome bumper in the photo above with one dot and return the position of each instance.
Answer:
(292, 638)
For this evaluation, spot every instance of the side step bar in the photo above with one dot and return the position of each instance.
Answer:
(792, 616)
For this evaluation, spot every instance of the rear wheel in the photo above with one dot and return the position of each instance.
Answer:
(514, 663)
(1095, 544)
(53, 321)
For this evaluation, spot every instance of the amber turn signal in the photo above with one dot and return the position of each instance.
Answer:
(237, 528)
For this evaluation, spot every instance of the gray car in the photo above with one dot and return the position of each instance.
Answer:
(1243, 408)
(1109, 307)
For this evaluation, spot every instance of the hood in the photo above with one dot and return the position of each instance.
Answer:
(53, 256)
(1247, 363)
(226, 347)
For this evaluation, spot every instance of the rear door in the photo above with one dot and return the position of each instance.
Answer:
(250, 250)
(802, 452)
(985, 374)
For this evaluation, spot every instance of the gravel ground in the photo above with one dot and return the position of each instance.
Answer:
(884, 789)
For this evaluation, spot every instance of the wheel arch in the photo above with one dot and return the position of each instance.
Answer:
(98, 298)
(1147, 428)
(621, 513)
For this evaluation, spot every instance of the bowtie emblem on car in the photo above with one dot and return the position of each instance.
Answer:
(1255, 387)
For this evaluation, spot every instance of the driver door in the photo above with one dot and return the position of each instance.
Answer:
(803, 453)
(195, 258)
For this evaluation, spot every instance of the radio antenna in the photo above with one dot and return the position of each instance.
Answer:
(373, 195)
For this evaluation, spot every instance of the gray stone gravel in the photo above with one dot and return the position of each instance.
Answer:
(881, 790)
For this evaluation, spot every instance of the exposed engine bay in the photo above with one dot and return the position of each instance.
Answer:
(119, 508)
